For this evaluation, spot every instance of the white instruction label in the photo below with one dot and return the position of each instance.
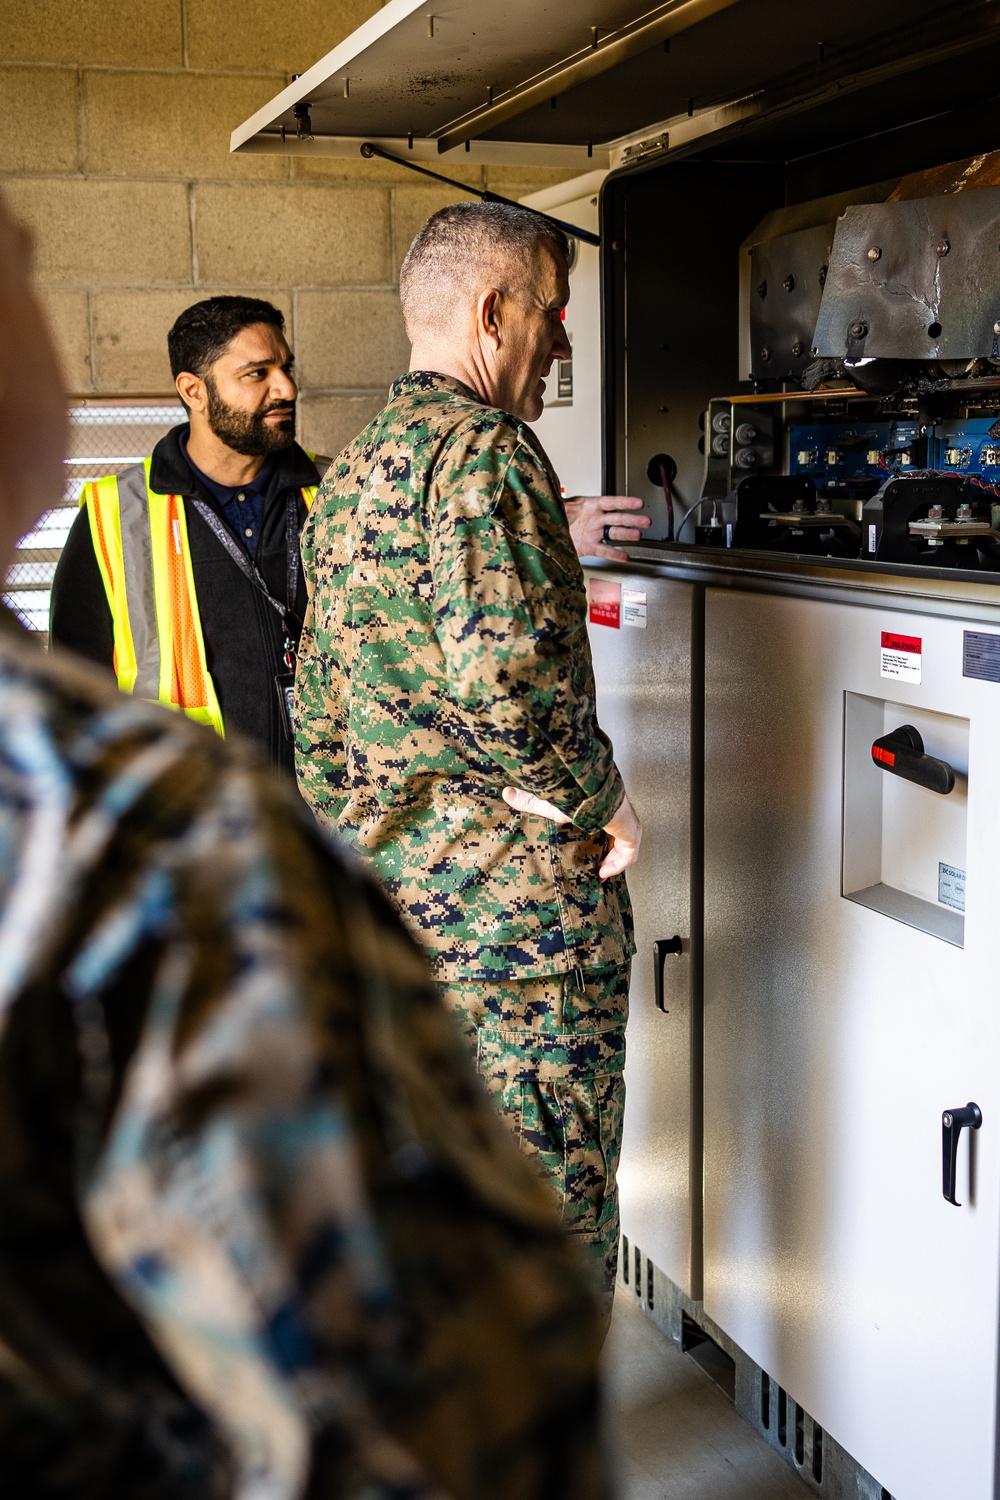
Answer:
(901, 656)
(951, 886)
(634, 608)
(872, 538)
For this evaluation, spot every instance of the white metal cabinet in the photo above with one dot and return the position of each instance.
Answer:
(570, 428)
(644, 699)
(834, 1038)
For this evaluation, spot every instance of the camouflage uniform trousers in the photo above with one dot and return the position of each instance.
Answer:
(553, 1058)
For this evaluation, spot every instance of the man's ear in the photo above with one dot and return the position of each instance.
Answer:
(191, 389)
(489, 318)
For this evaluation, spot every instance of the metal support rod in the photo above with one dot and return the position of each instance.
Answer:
(369, 149)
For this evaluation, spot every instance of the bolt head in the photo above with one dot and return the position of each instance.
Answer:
(859, 330)
(789, 283)
(943, 248)
(765, 354)
(996, 326)
(797, 349)
(874, 253)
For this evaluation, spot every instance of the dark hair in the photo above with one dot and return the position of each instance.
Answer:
(203, 331)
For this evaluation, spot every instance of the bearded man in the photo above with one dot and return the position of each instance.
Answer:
(182, 572)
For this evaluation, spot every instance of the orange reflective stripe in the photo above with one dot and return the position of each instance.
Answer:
(189, 687)
(141, 546)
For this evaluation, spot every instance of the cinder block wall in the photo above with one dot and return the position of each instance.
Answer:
(114, 148)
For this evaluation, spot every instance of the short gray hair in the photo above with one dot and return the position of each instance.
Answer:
(460, 240)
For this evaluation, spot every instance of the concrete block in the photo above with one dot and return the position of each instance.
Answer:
(105, 233)
(38, 120)
(93, 31)
(130, 336)
(517, 182)
(259, 35)
(173, 125)
(328, 423)
(69, 321)
(411, 207)
(350, 339)
(292, 235)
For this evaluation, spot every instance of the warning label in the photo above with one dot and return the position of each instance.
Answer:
(981, 656)
(605, 603)
(634, 608)
(901, 656)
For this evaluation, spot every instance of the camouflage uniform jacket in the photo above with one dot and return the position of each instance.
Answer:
(262, 1237)
(445, 656)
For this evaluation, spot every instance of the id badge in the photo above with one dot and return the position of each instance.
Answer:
(284, 682)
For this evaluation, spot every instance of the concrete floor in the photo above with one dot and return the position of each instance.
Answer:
(677, 1436)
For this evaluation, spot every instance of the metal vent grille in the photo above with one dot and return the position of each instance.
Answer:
(105, 437)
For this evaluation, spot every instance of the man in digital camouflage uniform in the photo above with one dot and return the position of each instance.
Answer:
(445, 700)
(261, 1238)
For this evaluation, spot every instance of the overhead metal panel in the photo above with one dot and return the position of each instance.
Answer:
(593, 82)
(443, 74)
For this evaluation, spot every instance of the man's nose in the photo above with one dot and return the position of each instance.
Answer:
(282, 386)
(562, 348)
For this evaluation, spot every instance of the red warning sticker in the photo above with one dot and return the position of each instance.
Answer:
(605, 603)
(901, 656)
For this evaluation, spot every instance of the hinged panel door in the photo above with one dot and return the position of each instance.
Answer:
(837, 1031)
(644, 668)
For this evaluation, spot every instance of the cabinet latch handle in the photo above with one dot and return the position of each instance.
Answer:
(661, 949)
(953, 1122)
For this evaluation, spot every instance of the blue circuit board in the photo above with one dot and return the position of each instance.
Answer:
(966, 447)
(838, 455)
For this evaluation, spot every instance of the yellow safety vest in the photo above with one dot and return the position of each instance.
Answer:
(141, 545)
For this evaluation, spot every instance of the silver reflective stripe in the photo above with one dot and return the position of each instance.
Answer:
(137, 550)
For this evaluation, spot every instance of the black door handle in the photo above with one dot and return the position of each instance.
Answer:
(953, 1122)
(902, 753)
(661, 948)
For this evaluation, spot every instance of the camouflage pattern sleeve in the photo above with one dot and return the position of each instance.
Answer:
(510, 612)
(321, 768)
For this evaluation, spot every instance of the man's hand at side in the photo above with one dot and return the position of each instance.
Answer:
(589, 514)
(624, 830)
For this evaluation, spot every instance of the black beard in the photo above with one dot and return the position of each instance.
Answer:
(246, 432)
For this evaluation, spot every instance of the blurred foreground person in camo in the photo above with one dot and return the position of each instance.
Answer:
(262, 1237)
(445, 700)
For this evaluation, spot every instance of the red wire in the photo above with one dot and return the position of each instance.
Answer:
(670, 501)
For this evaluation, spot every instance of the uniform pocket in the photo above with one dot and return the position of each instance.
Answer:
(563, 1096)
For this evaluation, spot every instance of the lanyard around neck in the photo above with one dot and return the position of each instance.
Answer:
(249, 568)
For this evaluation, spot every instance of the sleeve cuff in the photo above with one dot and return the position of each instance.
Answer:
(599, 809)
